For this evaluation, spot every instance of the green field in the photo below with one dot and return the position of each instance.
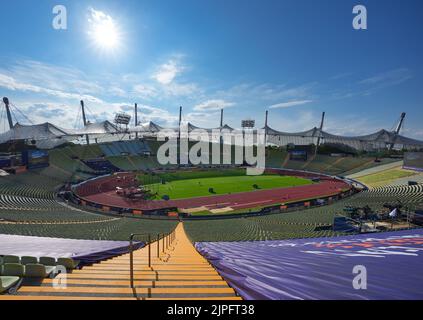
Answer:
(190, 188)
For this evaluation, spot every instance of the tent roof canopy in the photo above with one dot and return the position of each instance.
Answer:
(54, 135)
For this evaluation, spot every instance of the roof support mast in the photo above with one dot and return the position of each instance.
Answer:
(136, 119)
(400, 123)
(398, 128)
(322, 122)
(179, 135)
(9, 115)
(265, 127)
(180, 121)
(84, 119)
(221, 126)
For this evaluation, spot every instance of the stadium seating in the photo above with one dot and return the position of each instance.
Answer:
(101, 165)
(7, 282)
(107, 229)
(38, 270)
(333, 165)
(177, 272)
(29, 184)
(130, 147)
(68, 263)
(123, 163)
(313, 222)
(28, 199)
(28, 206)
(18, 208)
(83, 152)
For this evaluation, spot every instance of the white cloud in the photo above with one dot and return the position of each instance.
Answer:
(12, 84)
(117, 91)
(47, 92)
(181, 89)
(167, 72)
(213, 105)
(371, 85)
(389, 78)
(52, 77)
(39, 89)
(290, 104)
(155, 114)
(293, 121)
(97, 16)
(60, 114)
(268, 92)
(203, 119)
(145, 91)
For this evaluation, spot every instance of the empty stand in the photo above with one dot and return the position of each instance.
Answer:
(179, 272)
(306, 223)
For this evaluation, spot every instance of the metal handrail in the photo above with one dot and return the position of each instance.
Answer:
(167, 240)
(131, 255)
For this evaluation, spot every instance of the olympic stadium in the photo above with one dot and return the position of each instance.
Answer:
(95, 209)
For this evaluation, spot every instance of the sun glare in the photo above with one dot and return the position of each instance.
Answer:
(104, 31)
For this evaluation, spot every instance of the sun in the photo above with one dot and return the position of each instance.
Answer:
(106, 35)
(103, 31)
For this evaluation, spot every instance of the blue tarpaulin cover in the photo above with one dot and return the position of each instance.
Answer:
(322, 268)
(86, 251)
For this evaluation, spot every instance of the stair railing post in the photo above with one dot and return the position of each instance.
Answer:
(131, 255)
(131, 260)
(149, 250)
(158, 245)
(163, 244)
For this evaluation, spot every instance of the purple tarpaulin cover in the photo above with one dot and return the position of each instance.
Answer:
(322, 268)
(86, 251)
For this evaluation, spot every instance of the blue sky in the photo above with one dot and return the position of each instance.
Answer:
(294, 58)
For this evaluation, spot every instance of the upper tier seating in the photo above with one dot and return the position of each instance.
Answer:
(131, 147)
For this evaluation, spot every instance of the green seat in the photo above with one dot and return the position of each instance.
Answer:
(38, 270)
(48, 261)
(28, 260)
(7, 283)
(68, 263)
(11, 259)
(13, 270)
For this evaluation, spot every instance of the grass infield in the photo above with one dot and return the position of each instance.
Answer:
(199, 187)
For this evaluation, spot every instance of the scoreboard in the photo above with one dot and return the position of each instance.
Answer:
(34, 159)
(298, 155)
(413, 161)
(299, 152)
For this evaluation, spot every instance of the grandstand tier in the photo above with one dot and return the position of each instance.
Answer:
(29, 206)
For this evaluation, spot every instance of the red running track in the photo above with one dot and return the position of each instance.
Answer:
(326, 187)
